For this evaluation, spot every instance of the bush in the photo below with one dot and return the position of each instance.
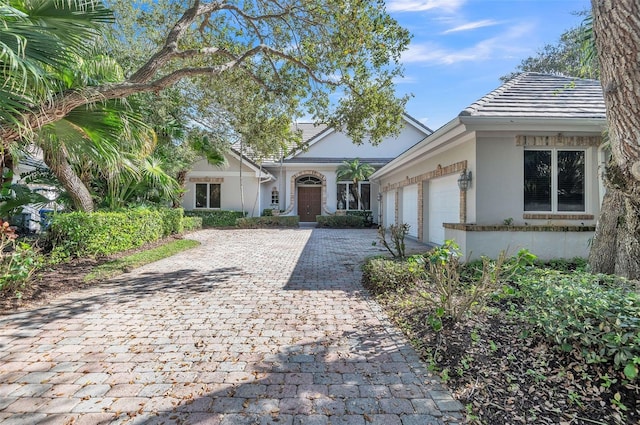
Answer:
(597, 315)
(380, 275)
(398, 233)
(340, 221)
(273, 221)
(191, 223)
(367, 216)
(80, 234)
(172, 223)
(216, 218)
(18, 260)
(450, 296)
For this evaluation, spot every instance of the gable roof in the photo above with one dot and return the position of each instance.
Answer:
(542, 95)
(325, 131)
(528, 97)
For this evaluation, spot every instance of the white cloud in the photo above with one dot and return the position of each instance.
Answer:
(420, 6)
(472, 26)
(507, 44)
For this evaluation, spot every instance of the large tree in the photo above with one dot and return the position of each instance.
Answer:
(616, 30)
(304, 50)
(570, 56)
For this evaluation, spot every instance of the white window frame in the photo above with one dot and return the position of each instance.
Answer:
(554, 178)
(195, 197)
(349, 183)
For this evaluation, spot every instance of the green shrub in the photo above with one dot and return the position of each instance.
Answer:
(191, 223)
(272, 221)
(340, 221)
(367, 215)
(80, 234)
(596, 314)
(454, 298)
(18, 260)
(172, 223)
(267, 212)
(216, 218)
(380, 275)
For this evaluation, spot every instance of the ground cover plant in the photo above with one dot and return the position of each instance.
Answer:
(547, 344)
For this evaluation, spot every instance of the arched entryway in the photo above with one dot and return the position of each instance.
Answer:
(309, 190)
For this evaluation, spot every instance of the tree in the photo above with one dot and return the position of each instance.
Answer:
(616, 31)
(355, 171)
(569, 56)
(38, 37)
(305, 52)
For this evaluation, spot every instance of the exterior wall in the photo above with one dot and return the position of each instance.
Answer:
(338, 145)
(499, 184)
(288, 195)
(547, 245)
(445, 161)
(229, 179)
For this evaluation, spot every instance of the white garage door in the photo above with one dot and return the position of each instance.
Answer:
(389, 209)
(410, 209)
(444, 206)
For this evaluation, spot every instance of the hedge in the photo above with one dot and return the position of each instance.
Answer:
(191, 223)
(340, 221)
(273, 221)
(79, 234)
(216, 218)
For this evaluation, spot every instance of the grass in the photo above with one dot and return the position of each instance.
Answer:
(139, 259)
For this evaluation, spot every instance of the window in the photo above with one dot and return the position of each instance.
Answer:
(554, 180)
(348, 197)
(207, 195)
(275, 198)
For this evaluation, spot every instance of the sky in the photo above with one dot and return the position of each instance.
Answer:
(461, 48)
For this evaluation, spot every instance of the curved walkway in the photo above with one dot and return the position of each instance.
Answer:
(252, 327)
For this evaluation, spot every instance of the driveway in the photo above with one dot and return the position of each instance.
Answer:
(252, 327)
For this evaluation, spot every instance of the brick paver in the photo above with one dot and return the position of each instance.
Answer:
(252, 327)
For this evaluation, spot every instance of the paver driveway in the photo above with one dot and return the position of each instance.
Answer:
(253, 327)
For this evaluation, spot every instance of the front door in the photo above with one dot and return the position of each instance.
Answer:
(309, 203)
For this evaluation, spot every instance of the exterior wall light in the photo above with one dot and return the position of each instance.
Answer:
(464, 181)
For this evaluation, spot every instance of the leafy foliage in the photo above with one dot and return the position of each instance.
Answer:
(274, 221)
(340, 221)
(573, 55)
(454, 298)
(190, 224)
(383, 274)
(597, 315)
(79, 234)
(216, 218)
(18, 260)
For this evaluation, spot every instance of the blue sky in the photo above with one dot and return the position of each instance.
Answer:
(460, 48)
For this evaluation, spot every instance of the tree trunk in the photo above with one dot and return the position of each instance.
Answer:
(56, 159)
(181, 178)
(6, 163)
(616, 29)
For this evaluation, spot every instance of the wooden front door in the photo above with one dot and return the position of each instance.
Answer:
(309, 203)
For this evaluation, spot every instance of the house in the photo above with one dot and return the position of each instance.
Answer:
(301, 182)
(519, 168)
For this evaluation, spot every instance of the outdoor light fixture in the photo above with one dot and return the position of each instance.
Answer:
(464, 181)
(379, 196)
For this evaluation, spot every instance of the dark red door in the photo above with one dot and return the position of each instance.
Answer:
(309, 203)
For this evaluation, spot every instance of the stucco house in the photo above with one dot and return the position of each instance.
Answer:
(301, 182)
(519, 168)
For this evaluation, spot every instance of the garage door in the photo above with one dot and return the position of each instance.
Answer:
(444, 206)
(389, 209)
(410, 209)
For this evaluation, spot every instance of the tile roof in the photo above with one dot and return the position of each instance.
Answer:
(535, 95)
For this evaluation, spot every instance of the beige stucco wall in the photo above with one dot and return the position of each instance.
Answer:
(230, 198)
(545, 245)
(499, 182)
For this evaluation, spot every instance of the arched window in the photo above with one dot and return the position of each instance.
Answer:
(309, 181)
